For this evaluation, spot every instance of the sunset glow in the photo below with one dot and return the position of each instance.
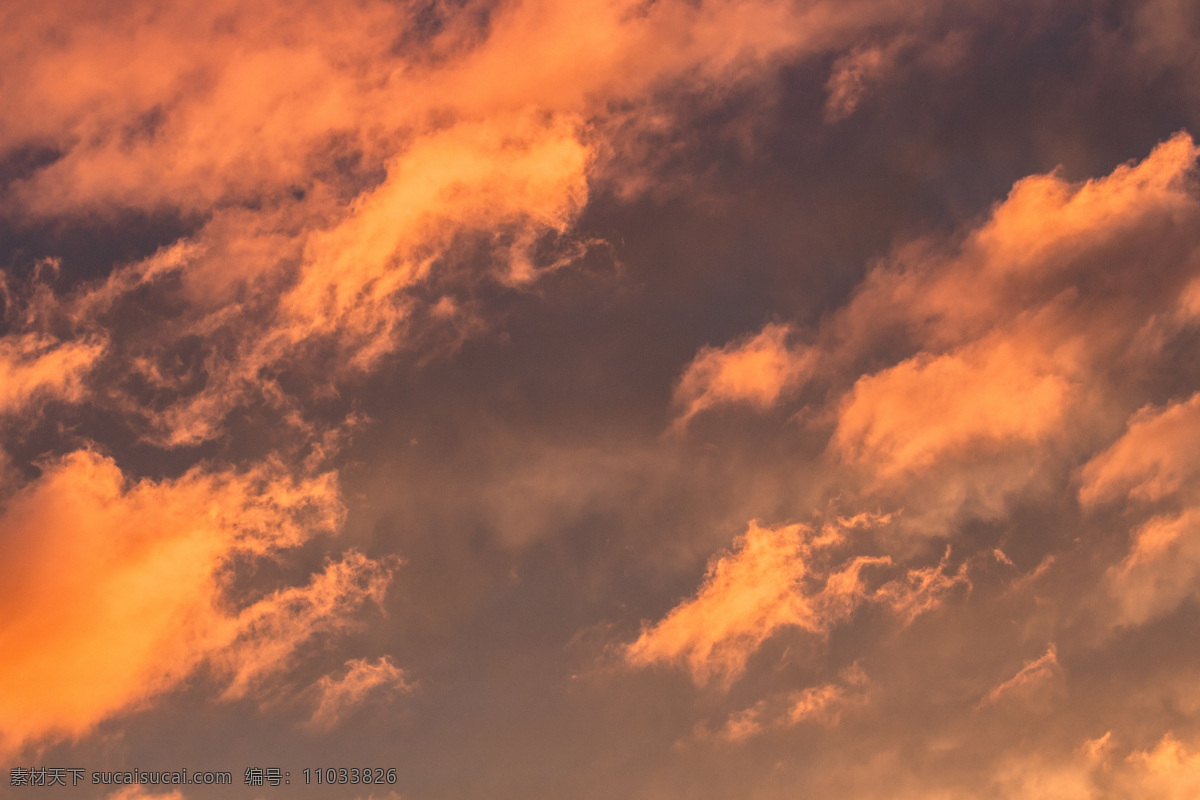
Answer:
(707, 399)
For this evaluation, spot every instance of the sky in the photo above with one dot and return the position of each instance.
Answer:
(655, 400)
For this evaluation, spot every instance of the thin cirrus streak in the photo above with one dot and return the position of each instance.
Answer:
(1033, 676)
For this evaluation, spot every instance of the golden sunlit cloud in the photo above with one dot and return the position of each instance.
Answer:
(999, 331)
(330, 172)
(775, 579)
(1153, 459)
(986, 392)
(1161, 570)
(755, 371)
(33, 367)
(337, 179)
(114, 592)
(824, 704)
(293, 294)
(747, 596)
(1171, 771)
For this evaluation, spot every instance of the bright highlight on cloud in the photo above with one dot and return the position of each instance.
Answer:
(746, 597)
(756, 372)
(116, 591)
(984, 392)
(32, 367)
(776, 579)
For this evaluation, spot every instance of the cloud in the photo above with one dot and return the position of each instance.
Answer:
(1170, 771)
(271, 631)
(33, 367)
(963, 380)
(853, 75)
(514, 172)
(1152, 463)
(755, 371)
(1153, 459)
(1034, 677)
(985, 392)
(114, 592)
(825, 704)
(747, 595)
(344, 193)
(333, 171)
(1018, 314)
(922, 589)
(1161, 570)
(343, 181)
(955, 373)
(821, 705)
(343, 694)
(779, 578)
(247, 98)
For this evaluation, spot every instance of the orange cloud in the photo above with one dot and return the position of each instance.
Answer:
(1045, 221)
(338, 171)
(747, 595)
(922, 589)
(338, 696)
(853, 75)
(917, 413)
(270, 632)
(203, 104)
(824, 704)
(1153, 459)
(990, 340)
(113, 593)
(1168, 771)
(1033, 677)
(1171, 771)
(754, 371)
(774, 579)
(821, 705)
(516, 171)
(34, 366)
(1162, 569)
